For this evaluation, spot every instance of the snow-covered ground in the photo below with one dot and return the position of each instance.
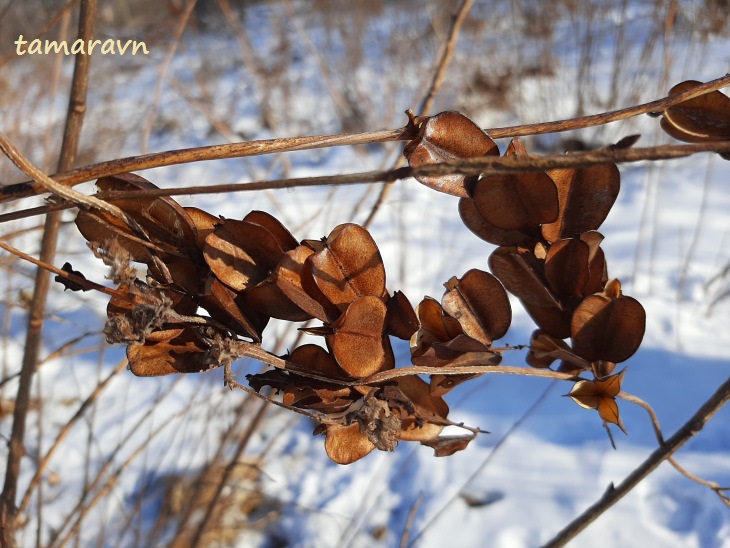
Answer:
(545, 459)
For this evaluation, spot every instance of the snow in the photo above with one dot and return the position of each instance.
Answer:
(665, 239)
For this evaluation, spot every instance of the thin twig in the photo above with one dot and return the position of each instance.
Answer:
(447, 54)
(270, 146)
(34, 332)
(613, 494)
(471, 166)
(411, 518)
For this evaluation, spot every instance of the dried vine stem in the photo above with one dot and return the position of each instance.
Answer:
(613, 494)
(486, 165)
(660, 438)
(270, 146)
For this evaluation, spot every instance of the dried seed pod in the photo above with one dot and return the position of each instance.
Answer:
(401, 320)
(345, 444)
(700, 119)
(586, 195)
(243, 253)
(480, 304)
(448, 136)
(517, 201)
(357, 340)
(349, 266)
(608, 326)
(600, 395)
(487, 231)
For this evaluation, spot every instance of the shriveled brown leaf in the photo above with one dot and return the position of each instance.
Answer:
(345, 444)
(401, 320)
(480, 304)
(448, 136)
(445, 446)
(700, 119)
(349, 266)
(586, 196)
(608, 327)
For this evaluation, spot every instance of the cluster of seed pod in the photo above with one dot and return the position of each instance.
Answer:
(549, 256)
(244, 272)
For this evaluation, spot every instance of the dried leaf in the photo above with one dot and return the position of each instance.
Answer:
(349, 266)
(586, 195)
(480, 304)
(448, 136)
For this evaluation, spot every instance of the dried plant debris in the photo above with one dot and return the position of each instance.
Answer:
(213, 283)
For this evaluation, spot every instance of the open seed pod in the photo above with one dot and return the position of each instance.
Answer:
(293, 275)
(523, 275)
(600, 394)
(700, 119)
(480, 304)
(448, 136)
(401, 320)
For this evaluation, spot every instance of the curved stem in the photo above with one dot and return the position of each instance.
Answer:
(613, 494)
